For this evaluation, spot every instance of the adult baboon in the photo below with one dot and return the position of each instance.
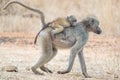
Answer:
(72, 37)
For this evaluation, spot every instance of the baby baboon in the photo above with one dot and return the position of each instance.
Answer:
(59, 24)
(75, 38)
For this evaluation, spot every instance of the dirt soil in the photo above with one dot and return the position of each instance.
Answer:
(102, 56)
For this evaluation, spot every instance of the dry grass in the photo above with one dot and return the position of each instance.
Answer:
(19, 24)
(107, 12)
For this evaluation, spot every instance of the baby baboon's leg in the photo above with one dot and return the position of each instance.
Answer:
(58, 29)
(82, 63)
(46, 47)
(51, 57)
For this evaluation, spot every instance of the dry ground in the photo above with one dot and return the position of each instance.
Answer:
(102, 56)
(102, 53)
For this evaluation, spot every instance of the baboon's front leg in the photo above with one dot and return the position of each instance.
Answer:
(71, 60)
(82, 63)
(75, 49)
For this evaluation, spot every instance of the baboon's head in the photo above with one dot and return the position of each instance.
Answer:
(93, 25)
(72, 19)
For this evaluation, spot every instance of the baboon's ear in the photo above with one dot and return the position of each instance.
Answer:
(68, 17)
(86, 22)
(92, 21)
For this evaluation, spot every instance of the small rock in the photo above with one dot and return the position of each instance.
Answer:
(116, 76)
(11, 68)
(108, 72)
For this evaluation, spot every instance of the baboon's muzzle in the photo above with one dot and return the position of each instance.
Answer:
(98, 31)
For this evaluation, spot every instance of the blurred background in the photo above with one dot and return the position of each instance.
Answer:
(107, 11)
(18, 27)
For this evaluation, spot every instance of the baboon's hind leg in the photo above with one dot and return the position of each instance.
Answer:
(43, 68)
(40, 62)
(46, 49)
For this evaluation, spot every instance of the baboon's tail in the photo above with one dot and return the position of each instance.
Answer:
(35, 10)
(35, 40)
(47, 25)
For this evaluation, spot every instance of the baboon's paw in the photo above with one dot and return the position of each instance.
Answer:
(86, 75)
(36, 72)
(63, 72)
(46, 69)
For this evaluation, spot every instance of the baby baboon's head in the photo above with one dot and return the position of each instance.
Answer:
(72, 19)
(93, 25)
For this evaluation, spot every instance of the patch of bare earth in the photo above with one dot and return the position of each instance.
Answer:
(102, 56)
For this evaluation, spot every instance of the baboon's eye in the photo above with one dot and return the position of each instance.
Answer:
(74, 20)
(92, 20)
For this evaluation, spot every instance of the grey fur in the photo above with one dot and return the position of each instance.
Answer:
(72, 37)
